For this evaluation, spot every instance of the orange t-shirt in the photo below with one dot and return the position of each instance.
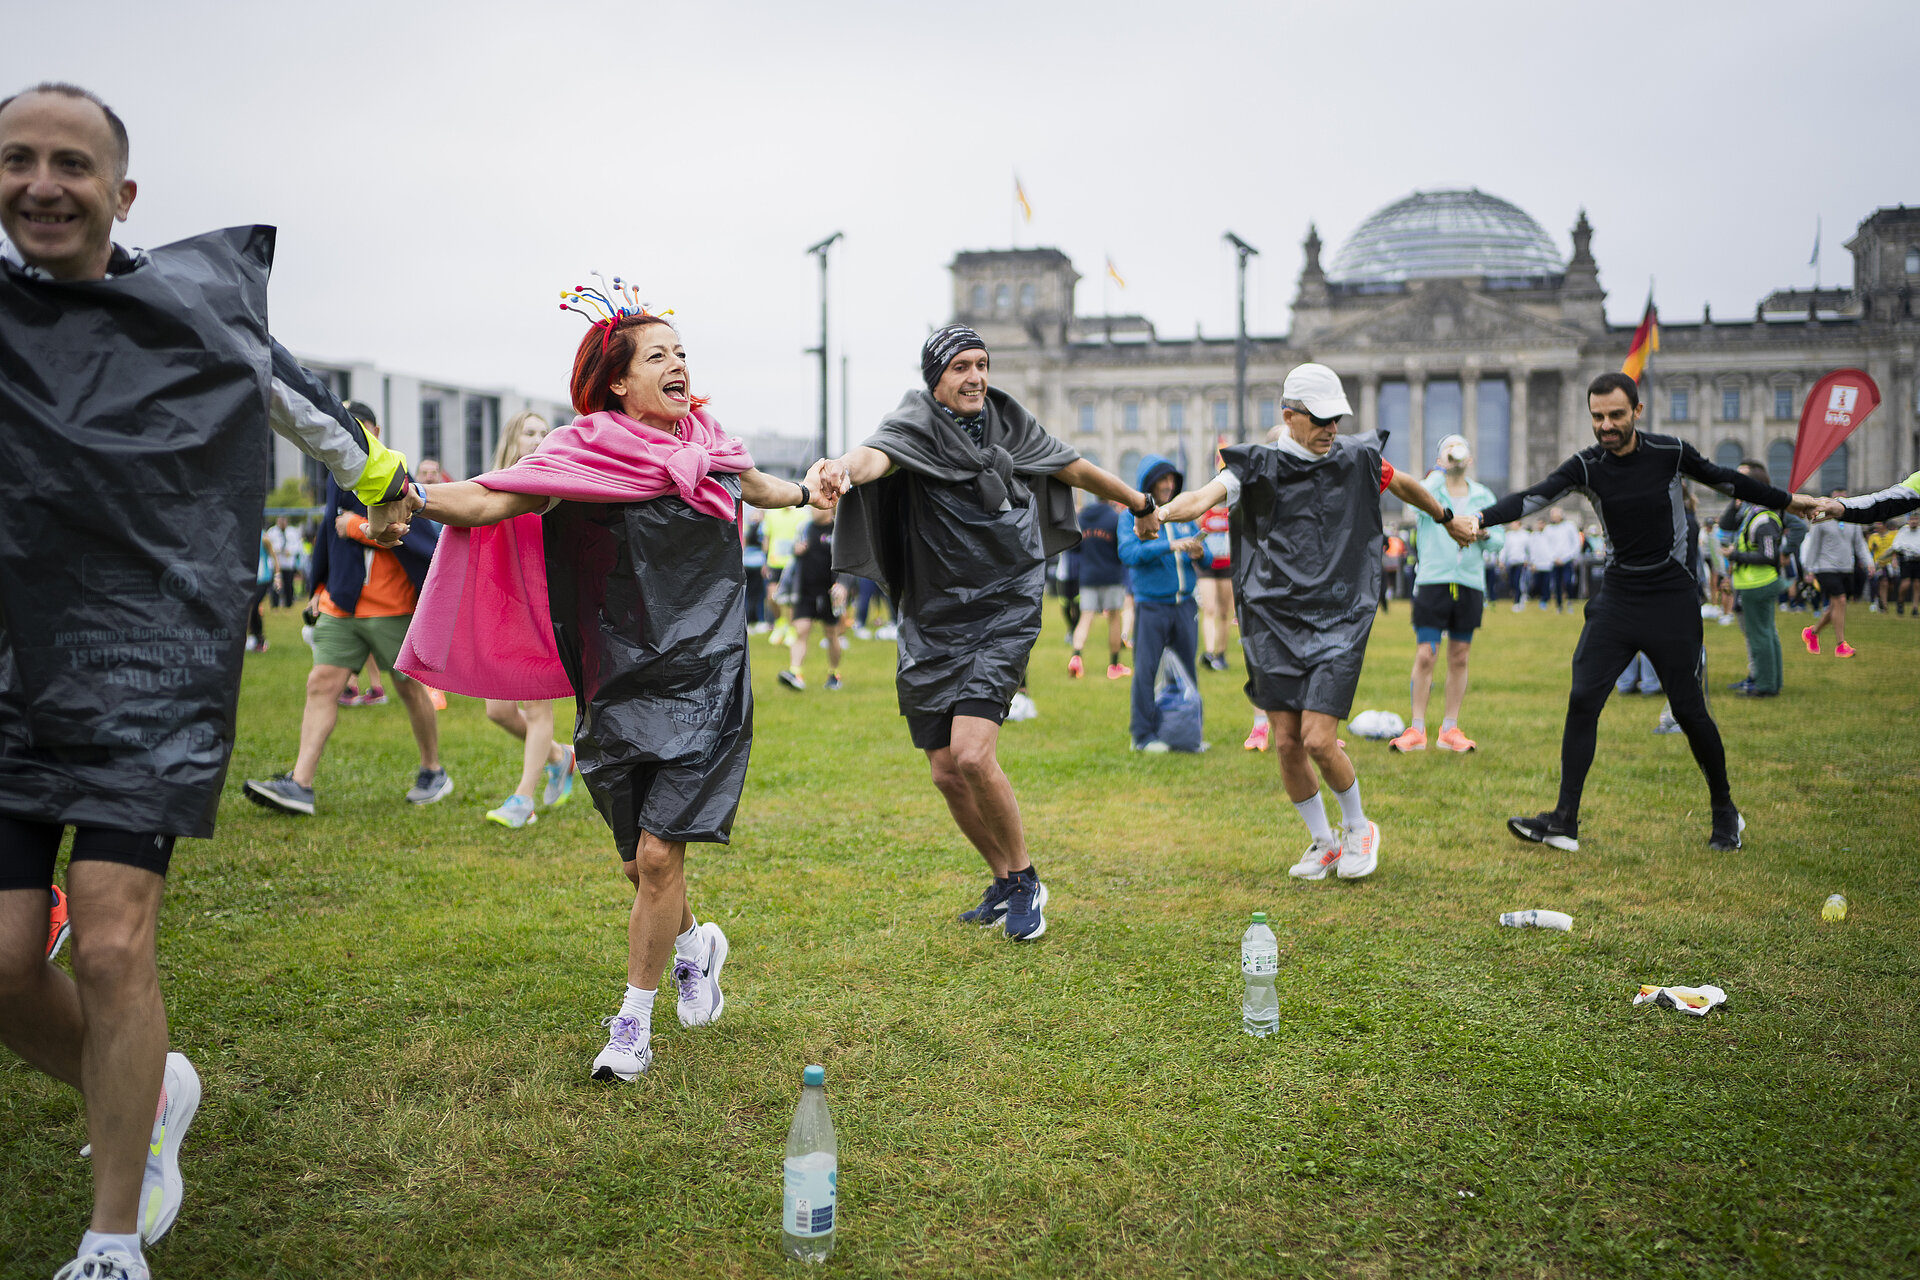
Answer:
(388, 593)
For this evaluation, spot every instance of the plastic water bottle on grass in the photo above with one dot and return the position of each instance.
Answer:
(813, 1174)
(1259, 963)
(1537, 920)
(1835, 908)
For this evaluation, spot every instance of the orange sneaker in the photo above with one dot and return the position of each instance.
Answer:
(1414, 739)
(1453, 740)
(58, 926)
(1116, 671)
(1257, 739)
(1810, 638)
(1075, 667)
(1843, 650)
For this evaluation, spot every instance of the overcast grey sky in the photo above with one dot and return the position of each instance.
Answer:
(440, 172)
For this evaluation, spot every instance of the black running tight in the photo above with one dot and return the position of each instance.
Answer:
(1665, 625)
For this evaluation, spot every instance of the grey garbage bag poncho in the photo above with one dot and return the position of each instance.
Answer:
(649, 615)
(133, 470)
(958, 536)
(1306, 577)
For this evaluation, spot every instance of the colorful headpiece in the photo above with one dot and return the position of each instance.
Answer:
(606, 306)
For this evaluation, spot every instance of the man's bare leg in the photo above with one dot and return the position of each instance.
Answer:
(40, 1016)
(980, 796)
(426, 727)
(660, 911)
(325, 684)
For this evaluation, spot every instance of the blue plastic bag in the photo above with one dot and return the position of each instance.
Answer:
(1178, 699)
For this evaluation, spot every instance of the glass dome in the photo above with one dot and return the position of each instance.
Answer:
(1432, 234)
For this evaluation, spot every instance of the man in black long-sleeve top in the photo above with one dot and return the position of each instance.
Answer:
(1647, 601)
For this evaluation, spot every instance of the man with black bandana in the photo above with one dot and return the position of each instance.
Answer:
(1646, 602)
(957, 501)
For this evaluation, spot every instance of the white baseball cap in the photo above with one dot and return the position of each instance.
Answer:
(1455, 446)
(1317, 387)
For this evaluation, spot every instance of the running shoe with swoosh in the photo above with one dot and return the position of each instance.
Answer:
(161, 1189)
(58, 925)
(629, 1050)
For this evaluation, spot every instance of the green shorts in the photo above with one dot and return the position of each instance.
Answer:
(346, 642)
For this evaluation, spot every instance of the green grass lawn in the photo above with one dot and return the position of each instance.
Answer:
(394, 1009)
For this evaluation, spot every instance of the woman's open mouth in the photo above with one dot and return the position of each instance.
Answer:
(675, 389)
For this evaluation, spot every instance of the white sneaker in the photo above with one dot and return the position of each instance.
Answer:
(629, 1050)
(106, 1264)
(1021, 708)
(863, 633)
(161, 1189)
(886, 631)
(1316, 861)
(700, 1000)
(1360, 854)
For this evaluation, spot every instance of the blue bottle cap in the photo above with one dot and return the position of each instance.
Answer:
(814, 1075)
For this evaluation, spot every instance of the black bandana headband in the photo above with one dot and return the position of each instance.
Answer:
(942, 347)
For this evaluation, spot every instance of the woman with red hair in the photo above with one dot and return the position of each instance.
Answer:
(638, 569)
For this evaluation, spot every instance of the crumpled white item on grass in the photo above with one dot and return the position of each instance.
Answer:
(1694, 1000)
(1381, 726)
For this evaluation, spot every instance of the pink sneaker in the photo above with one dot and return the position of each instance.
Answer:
(1843, 650)
(1414, 739)
(1454, 740)
(1811, 638)
(1257, 739)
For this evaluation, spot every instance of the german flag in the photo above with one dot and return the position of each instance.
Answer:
(1646, 341)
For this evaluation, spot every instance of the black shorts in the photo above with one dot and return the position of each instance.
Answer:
(29, 849)
(1909, 568)
(931, 733)
(818, 606)
(1834, 585)
(1448, 607)
(1225, 571)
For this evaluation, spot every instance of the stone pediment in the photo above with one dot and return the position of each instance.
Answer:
(1447, 313)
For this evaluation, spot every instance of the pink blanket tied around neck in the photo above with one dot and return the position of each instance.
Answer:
(482, 628)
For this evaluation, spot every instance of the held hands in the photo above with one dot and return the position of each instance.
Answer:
(1815, 509)
(826, 480)
(1193, 547)
(388, 522)
(1464, 528)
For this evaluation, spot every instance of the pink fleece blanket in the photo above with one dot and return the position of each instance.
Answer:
(482, 627)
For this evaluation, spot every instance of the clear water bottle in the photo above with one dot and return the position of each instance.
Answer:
(1259, 963)
(1835, 908)
(813, 1174)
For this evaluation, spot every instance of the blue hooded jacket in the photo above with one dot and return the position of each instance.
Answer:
(1160, 574)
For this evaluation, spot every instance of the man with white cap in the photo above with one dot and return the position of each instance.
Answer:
(1306, 578)
(1449, 593)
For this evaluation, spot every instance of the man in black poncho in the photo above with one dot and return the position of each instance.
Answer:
(135, 394)
(957, 501)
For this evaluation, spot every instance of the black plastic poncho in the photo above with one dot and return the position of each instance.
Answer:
(958, 536)
(649, 615)
(133, 470)
(1306, 577)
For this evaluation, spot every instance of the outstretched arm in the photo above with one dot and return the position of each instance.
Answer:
(1194, 503)
(465, 504)
(861, 464)
(1463, 527)
(1896, 500)
(1082, 474)
(763, 491)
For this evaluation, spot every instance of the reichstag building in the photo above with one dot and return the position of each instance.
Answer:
(1453, 311)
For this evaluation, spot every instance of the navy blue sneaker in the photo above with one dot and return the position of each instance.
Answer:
(993, 904)
(1025, 898)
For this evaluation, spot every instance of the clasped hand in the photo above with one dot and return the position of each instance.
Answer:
(388, 522)
(1464, 528)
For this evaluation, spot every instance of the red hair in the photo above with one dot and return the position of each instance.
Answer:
(605, 354)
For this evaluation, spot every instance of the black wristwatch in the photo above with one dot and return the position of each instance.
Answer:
(806, 494)
(1446, 515)
(1149, 509)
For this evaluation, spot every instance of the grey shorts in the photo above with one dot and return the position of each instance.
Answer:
(1101, 599)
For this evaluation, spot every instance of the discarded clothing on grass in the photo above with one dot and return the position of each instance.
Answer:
(1694, 1000)
(958, 536)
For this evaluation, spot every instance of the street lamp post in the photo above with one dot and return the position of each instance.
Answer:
(820, 251)
(1243, 251)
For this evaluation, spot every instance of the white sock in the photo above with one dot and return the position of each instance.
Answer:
(1313, 812)
(691, 945)
(1451, 722)
(639, 1004)
(99, 1241)
(1350, 812)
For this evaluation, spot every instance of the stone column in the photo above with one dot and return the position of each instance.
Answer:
(1369, 401)
(1575, 431)
(1470, 405)
(1416, 417)
(1517, 476)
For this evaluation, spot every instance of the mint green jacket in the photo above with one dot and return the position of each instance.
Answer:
(1441, 559)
